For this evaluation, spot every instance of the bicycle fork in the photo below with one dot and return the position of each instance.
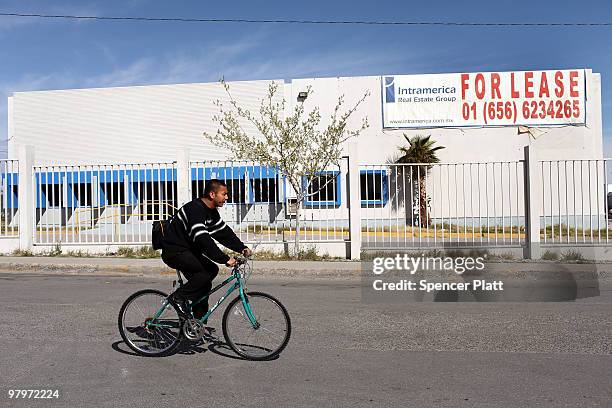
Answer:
(247, 308)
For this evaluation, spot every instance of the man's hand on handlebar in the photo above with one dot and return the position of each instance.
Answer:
(231, 263)
(247, 252)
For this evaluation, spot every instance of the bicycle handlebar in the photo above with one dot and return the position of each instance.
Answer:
(240, 260)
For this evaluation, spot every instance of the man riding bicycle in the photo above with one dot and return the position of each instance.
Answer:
(189, 247)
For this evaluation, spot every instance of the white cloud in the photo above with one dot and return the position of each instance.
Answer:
(247, 58)
(139, 72)
(244, 59)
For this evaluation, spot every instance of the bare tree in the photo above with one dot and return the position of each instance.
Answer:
(295, 144)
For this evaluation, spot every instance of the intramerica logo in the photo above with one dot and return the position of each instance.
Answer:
(412, 94)
(389, 89)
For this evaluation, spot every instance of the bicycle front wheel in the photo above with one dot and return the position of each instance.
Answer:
(145, 333)
(270, 334)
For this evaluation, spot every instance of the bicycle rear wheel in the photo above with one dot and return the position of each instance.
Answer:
(269, 336)
(142, 332)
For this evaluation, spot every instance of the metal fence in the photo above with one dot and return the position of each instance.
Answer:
(116, 204)
(575, 204)
(463, 205)
(9, 173)
(101, 204)
(446, 204)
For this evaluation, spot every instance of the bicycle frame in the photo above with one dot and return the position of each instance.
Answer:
(238, 284)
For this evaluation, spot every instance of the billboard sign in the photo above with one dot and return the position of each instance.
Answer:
(530, 98)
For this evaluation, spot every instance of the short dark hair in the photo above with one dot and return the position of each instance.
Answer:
(212, 186)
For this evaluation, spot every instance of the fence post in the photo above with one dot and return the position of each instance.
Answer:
(183, 177)
(25, 199)
(533, 192)
(354, 202)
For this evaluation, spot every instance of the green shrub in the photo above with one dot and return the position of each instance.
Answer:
(550, 256)
(140, 252)
(572, 255)
(19, 252)
(506, 256)
(76, 254)
(125, 251)
(309, 253)
(57, 250)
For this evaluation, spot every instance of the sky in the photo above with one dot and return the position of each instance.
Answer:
(43, 54)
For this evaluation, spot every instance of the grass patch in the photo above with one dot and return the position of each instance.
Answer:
(550, 256)
(305, 254)
(126, 252)
(504, 256)
(19, 252)
(144, 252)
(493, 229)
(563, 231)
(77, 254)
(57, 250)
(572, 255)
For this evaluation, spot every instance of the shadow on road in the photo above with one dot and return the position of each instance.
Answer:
(216, 346)
(115, 346)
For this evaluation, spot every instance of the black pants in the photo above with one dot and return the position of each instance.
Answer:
(199, 271)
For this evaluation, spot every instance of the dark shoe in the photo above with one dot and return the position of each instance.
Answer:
(199, 312)
(209, 335)
(181, 304)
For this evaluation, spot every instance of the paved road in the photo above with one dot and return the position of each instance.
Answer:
(61, 332)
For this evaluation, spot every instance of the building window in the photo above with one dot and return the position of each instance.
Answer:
(232, 176)
(236, 191)
(197, 189)
(374, 187)
(14, 198)
(83, 193)
(156, 200)
(114, 193)
(264, 190)
(53, 194)
(245, 184)
(324, 189)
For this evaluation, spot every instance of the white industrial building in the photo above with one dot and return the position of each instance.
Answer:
(127, 126)
(150, 123)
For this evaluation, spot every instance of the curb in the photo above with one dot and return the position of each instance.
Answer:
(155, 268)
(281, 269)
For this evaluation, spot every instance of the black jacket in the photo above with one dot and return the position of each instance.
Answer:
(193, 228)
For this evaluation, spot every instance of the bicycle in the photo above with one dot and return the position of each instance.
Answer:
(250, 321)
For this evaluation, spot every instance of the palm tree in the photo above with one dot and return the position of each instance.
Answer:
(419, 153)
